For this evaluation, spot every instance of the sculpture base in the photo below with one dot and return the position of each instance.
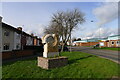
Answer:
(50, 54)
(49, 63)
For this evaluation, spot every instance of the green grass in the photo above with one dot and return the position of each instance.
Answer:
(109, 48)
(80, 65)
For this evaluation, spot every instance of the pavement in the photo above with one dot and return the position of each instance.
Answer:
(109, 54)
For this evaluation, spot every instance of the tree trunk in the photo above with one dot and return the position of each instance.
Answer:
(62, 48)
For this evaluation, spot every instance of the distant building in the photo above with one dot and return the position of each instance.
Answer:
(87, 42)
(111, 41)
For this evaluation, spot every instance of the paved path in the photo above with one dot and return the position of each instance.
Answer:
(109, 54)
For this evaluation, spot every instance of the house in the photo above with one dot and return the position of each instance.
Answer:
(111, 41)
(39, 42)
(16, 43)
(27, 39)
(15, 39)
(11, 38)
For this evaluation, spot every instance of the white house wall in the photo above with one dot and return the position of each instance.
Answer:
(0, 34)
(17, 40)
(8, 39)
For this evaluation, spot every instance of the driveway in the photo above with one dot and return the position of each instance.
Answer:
(109, 54)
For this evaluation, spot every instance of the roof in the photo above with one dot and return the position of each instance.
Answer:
(94, 39)
(81, 41)
(89, 40)
(15, 29)
(114, 36)
(10, 27)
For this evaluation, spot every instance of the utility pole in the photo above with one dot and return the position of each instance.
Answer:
(70, 42)
(99, 33)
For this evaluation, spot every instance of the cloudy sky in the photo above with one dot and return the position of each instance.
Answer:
(34, 16)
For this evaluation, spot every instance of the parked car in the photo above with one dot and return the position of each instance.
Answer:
(96, 46)
(64, 49)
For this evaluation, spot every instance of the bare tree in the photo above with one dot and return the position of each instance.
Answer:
(74, 39)
(64, 22)
(78, 39)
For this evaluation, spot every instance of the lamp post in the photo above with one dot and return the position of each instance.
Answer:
(70, 42)
(98, 28)
(99, 32)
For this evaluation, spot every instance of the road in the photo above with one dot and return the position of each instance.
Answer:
(109, 54)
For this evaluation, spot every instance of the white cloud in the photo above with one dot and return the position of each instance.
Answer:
(37, 30)
(106, 13)
(102, 32)
(40, 30)
(112, 0)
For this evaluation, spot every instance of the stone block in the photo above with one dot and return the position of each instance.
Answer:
(49, 63)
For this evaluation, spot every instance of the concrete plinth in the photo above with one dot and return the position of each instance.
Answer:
(49, 63)
(50, 54)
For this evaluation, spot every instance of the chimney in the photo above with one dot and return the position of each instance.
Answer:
(19, 28)
(32, 34)
(35, 36)
(0, 19)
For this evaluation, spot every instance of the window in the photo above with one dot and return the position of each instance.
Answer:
(6, 46)
(18, 36)
(6, 33)
(118, 42)
(18, 46)
(112, 42)
(101, 43)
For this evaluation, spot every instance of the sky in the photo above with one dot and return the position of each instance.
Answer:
(35, 16)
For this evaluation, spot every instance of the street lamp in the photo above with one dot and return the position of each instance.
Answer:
(99, 29)
(70, 42)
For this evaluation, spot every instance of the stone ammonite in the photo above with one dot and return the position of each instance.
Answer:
(51, 39)
(50, 42)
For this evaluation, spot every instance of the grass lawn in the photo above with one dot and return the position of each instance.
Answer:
(109, 48)
(81, 65)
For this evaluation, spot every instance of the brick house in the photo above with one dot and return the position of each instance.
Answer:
(37, 41)
(111, 41)
(27, 39)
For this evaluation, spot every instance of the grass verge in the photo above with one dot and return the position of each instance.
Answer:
(109, 48)
(80, 65)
